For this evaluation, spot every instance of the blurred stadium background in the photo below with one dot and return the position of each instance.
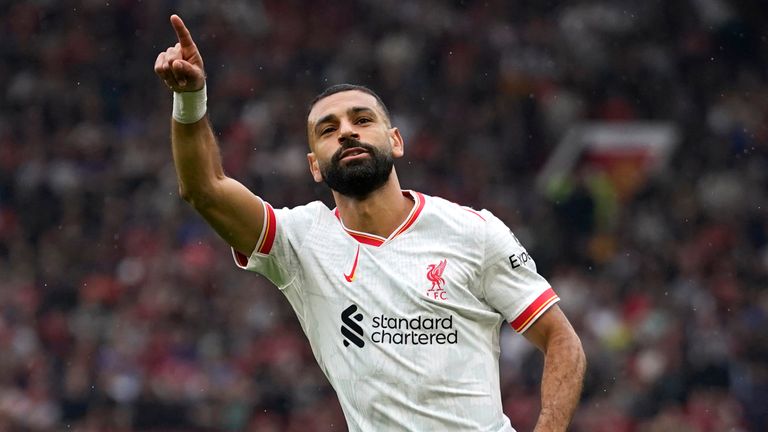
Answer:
(121, 311)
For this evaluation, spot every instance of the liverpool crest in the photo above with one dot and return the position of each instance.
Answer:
(435, 275)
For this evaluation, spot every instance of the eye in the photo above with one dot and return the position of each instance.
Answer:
(327, 130)
(363, 120)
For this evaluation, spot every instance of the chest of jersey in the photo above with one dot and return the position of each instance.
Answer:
(406, 308)
(406, 276)
(403, 330)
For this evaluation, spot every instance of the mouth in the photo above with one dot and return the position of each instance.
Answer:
(353, 153)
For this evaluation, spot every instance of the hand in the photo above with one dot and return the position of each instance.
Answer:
(181, 66)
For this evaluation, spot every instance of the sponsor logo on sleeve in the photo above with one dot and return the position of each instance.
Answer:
(517, 260)
(521, 258)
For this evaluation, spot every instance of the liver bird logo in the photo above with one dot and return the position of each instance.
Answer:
(435, 275)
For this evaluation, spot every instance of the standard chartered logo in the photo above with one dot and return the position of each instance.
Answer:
(350, 329)
(419, 330)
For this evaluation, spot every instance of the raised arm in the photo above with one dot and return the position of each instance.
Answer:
(564, 367)
(230, 208)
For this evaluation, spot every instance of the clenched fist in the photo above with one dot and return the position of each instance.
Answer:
(181, 66)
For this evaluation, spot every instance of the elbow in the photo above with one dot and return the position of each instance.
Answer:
(573, 350)
(581, 356)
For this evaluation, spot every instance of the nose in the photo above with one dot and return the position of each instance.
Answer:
(347, 130)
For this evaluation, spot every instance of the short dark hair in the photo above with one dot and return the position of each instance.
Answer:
(338, 88)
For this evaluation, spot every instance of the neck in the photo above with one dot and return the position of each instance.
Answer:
(379, 213)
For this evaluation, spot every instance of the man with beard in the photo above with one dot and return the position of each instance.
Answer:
(400, 294)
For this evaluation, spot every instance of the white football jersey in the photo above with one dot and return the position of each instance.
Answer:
(406, 328)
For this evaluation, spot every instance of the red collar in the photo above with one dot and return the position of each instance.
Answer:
(374, 240)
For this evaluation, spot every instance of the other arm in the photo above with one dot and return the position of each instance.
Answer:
(564, 367)
(233, 211)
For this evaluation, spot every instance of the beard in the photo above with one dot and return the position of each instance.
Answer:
(358, 178)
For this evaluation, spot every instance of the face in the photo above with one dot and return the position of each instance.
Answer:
(353, 146)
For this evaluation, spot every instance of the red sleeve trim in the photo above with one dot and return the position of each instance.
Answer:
(270, 227)
(534, 310)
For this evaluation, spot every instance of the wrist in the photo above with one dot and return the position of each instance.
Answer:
(190, 107)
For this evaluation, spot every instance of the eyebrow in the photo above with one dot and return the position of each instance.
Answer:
(358, 110)
(351, 111)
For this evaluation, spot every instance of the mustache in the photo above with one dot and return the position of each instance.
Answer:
(349, 143)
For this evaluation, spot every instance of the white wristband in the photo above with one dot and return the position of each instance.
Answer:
(190, 107)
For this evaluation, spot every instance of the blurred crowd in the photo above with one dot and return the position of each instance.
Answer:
(120, 310)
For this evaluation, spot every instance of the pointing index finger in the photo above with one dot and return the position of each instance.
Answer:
(185, 39)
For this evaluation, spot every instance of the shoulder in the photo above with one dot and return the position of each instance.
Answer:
(303, 216)
(460, 226)
(480, 224)
(458, 214)
(311, 208)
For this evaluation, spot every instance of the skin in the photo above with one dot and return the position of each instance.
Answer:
(237, 215)
(564, 368)
(356, 114)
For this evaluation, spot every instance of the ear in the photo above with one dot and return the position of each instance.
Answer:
(314, 168)
(397, 143)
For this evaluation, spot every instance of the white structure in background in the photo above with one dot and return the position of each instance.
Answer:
(627, 152)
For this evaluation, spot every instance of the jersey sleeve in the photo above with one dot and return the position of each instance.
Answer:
(276, 253)
(509, 281)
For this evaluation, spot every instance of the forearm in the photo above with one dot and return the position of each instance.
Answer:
(230, 208)
(564, 367)
(197, 160)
